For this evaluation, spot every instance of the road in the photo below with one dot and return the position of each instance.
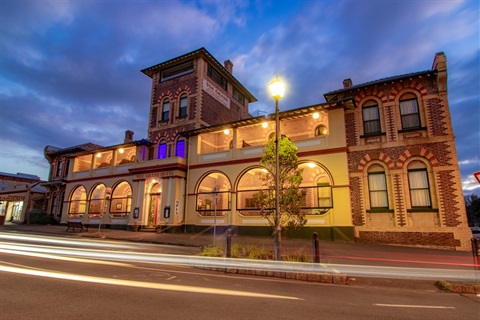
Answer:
(41, 280)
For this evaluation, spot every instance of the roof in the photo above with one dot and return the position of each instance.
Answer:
(100, 148)
(20, 175)
(150, 71)
(51, 150)
(288, 114)
(384, 80)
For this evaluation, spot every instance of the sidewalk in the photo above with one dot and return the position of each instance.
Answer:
(330, 252)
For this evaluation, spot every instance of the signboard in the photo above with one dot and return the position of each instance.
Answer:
(477, 176)
(216, 93)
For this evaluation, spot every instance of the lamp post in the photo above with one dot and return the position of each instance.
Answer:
(277, 89)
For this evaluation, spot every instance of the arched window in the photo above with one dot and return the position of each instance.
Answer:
(165, 109)
(162, 149)
(78, 202)
(249, 184)
(318, 187)
(182, 110)
(409, 111)
(121, 202)
(97, 201)
(418, 185)
(377, 187)
(180, 148)
(213, 194)
(320, 130)
(371, 118)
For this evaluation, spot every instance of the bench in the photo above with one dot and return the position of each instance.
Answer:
(76, 224)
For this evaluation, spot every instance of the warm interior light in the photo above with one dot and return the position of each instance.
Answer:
(316, 115)
(121, 150)
(311, 165)
(276, 88)
(99, 155)
(264, 124)
(226, 131)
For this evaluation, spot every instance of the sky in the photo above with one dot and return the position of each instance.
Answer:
(70, 70)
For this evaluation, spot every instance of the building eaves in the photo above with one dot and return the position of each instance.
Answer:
(288, 114)
(112, 147)
(382, 81)
(150, 71)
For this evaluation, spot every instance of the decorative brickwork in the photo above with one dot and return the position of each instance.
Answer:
(413, 84)
(375, 156)
(436, 117)
(448, 199)
(438, 239)
(417, 151)
(153, 117)
(351, 129)
(372, 92)
(399, 202)
(357, 202)
(390, 123)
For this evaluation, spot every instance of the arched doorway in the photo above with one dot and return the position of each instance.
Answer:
(155, 205)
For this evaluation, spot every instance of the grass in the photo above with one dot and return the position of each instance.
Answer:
(255, 252)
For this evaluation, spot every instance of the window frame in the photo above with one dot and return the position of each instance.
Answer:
(377, 191)
(165, 115)
(182, 109)
(405, 116)
(376, 120)
(217, 77)
(424, 188)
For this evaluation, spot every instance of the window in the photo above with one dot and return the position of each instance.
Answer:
(237, 95)
(121, 202)
(78, 201)
(180, 149)
(213, 195)
(409, 114)
(321, 130)
(165, 109)
(371, 120)
(177, 71)
(418, 185)
(59, 169)
(162, 149)
(377, 187)
(182, 110)
(217, 77)
(97, 201)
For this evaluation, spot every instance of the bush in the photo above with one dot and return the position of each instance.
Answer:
(255, 252)
(40, 216)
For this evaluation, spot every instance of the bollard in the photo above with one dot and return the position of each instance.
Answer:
(476, 252)
(316, 248)
(229, 243)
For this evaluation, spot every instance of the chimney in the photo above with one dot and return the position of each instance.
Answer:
(347, 83)
(128, 136)
(229, 66)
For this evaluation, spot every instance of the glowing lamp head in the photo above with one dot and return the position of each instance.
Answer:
(264, 125)
(121, 150)
(277, 88)
(316, 115)
(226, 131)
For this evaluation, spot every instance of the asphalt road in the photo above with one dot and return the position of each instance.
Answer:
(45, 284)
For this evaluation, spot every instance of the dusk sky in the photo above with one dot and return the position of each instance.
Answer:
(70, 70)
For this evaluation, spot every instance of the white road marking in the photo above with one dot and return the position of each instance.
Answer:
(411, 306)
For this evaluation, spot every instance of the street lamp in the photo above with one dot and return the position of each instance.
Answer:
(277, 89)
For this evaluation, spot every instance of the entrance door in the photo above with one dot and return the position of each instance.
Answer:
(154, 211)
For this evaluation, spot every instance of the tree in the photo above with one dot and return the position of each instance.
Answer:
(472, 202)
(290, 194)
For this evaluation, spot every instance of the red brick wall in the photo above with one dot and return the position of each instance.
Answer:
(438, 239)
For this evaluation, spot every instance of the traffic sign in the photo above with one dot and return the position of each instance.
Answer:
(477, 176)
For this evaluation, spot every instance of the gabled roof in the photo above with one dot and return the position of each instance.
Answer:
(150, 71)
(383, 80)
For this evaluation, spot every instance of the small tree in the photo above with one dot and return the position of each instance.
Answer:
(290, 194)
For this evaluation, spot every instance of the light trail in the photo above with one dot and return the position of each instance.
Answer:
(197, 261)
(141, 284)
